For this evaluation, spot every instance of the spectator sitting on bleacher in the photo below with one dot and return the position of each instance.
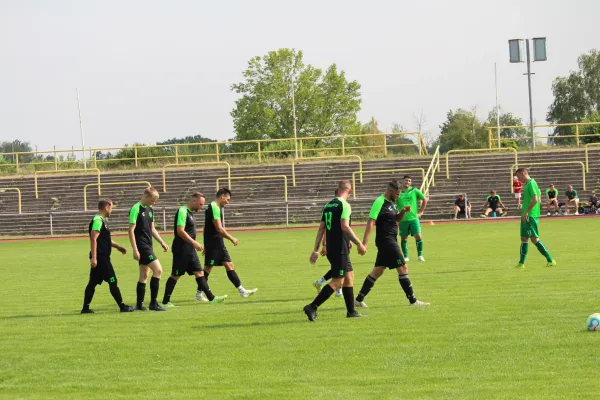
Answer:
(552, 200)
(572, 198)
(492, 204)
(459, 206)
(593, 203)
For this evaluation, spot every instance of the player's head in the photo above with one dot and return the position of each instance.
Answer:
(460, 196)
(552, 186)
(593, 193)
(196, 201)
(515, 178)
(344, 189)
(406, 181)
(105, 207)
(570, 188)
(223, 197)
(493, 192)
(393, 190)
(150, 196)
(523, 174)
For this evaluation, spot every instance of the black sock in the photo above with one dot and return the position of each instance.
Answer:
(407, 287)
(206, 274)
(116, 293)
(169, 287)
(366, 288)
(322, 297)
(141, 293)
(233, 277)
(89, 294)
(154, 286)
(203, 287)
(349, 298)
(327, 276)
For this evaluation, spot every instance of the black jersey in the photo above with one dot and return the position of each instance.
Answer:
(142, 217)
(493, 201)
(333, 214)
(212, 213)
(104, 241)
(184, 217)
(384, 212)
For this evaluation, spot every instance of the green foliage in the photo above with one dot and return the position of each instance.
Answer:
(521, 135)
(577, 96)
(326, 103)
(591, 129)
(462, 130)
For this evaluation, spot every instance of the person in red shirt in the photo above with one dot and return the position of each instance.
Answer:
(517, 187)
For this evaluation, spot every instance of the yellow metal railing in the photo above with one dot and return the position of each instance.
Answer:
(285, 188)
(577, 135)
(360, 165)
(35, 177)
(164, 170)
(477, 151)
(587, 163)
(383, 171)
(515, 166)
(110, 184)
(429, 179)
(18, 195)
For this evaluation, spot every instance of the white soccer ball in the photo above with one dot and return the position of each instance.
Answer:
(593, 322)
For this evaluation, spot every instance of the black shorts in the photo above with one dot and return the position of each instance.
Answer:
(183, 263)
(147, 257)
(340, 265)
(104, 272)
(216, 255)
(389, 256)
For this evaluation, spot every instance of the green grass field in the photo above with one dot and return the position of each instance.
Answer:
(491, 331)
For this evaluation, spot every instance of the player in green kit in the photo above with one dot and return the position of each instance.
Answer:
(530, 214)
(410, 225)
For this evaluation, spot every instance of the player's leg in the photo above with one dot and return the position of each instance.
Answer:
(404, 234)
(369, 283)
(318, 284)
(535, 239)
(141, 287)
(90, 289)
(108, 275)
(235, 280)
(415, 230)
(156, 269)
(406, 286)
(338, 271)
(178, 269)
(576, 206)
(456, 211)
(348, 292)
(468, 211)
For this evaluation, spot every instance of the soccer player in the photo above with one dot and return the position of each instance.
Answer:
(552, 199)
(529, 219)
(572, 198)
(410, 225)
(102, 270)
(141, 232)
(517, 188)
(335, 223)
(214, 246)
(318, 284)
(492, 204)
(184, 248)
(385, 217)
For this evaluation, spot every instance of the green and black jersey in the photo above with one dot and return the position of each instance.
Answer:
(493, 201)
(142, 217)
(333, 214)
(551, 193)
(384, 212)
(212, 213)
(184, 217)
(104, 241)
(571, 195)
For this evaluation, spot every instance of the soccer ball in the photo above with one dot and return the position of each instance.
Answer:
(593, 322)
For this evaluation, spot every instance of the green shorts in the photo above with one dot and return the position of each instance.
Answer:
(530, 228)
(410, 228)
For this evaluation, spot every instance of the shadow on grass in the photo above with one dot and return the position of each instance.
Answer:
(252, 324)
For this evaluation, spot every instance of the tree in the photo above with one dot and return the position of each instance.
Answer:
(187, 139)
(577, 96)
(521, 135)
(462, 130)
(16, 146)
(400, 140)
(326, 104)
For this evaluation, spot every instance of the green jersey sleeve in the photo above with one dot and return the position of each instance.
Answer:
(346, 210)
(533, 189)
(182, 216)
(548, 193)
(499, 198)
(574, 193)
(419, 195)
(133, 214)
(488, 198)
(376, 207)
(97, 223)
(216, 210)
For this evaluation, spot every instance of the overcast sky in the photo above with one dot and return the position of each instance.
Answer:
(149, 70)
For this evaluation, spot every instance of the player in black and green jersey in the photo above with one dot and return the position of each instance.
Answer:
(335, 223)
(552, 199)
(410, 225)
(493, 203)
(102, 269)
(572, 198)
(141, 232)
(384, 216)
(530, 214)
(184, 249)
(214, 246)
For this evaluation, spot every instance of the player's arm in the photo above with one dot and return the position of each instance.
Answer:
(221, 229)
(534, 201)
(500, 202)
(156, 236)
(187, 238)
(94, 247)
(318, 240)
(424, 201)
(368, 228)
(324, 245)
(484, 206)
(402, 213)
(117, 246)
(133, 216)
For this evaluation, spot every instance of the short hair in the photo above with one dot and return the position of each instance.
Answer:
(102, 204)
(394, 184)
(552, 184)
(521, 170)
(223, 191)
(151, 192)
(197, 195)
(407, 176)
(344, 186)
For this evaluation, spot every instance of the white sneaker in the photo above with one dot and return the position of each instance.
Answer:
(338, 293)
(549, 213)
(419, 303)
(360, 304)
(317, 286)
(248, 293)
(577, 213)
(556, 213)
(406, 259)
(421, 258)
(200, 297)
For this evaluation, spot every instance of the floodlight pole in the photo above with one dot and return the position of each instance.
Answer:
(294, 116)
(530, 100)
(81, 131)
(497, 106)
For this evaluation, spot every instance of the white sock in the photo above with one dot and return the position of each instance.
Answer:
(241, 289)
(322, 280)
